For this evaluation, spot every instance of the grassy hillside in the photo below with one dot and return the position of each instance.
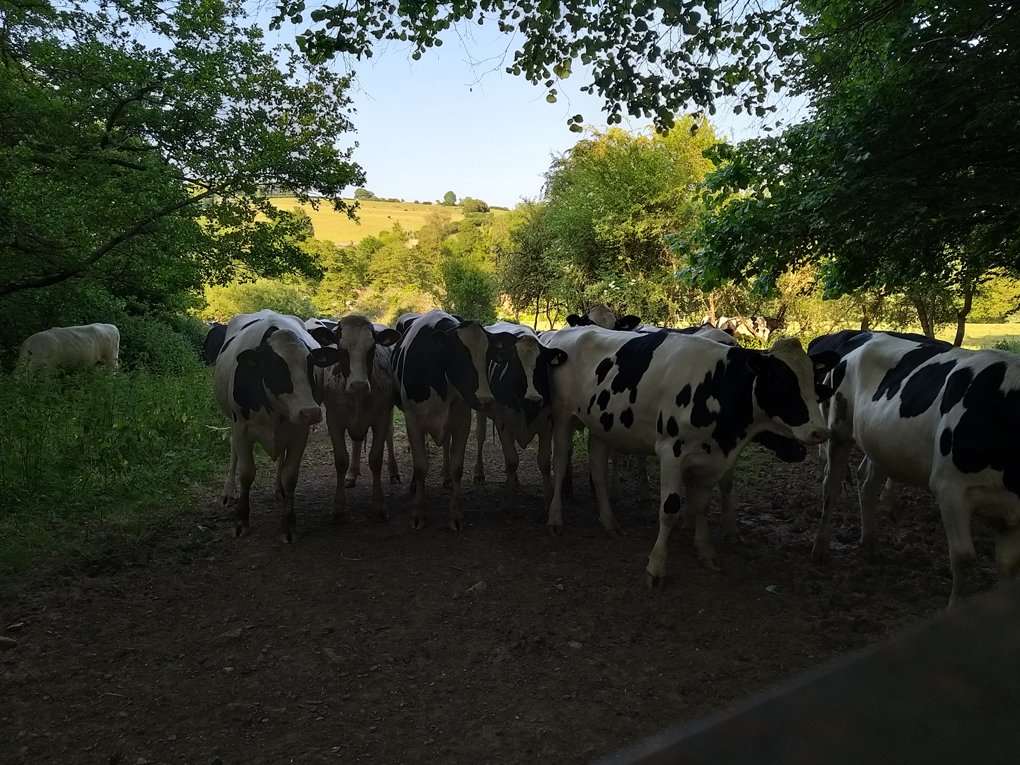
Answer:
(375, 217)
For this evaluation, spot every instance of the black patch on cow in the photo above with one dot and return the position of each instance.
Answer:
(672, 504)
(778, 393)
(632, 362)
(787, 449)
(213, 342)
(842, 342)
(946, 442)
(249, 395)
(627, 417)
(923, 388)
(591, 402)
(275, 372)
(838, 375)
(658, 424)
(707, 447)
(508, 380)
(420, 367)
(986, 434)
(678, 446)
(730, 384)
(607, 420)
(672, 427)
(603, 400)
(683, 398)
(701, 415)
(957, 385)
(602, 370)
(910, 361)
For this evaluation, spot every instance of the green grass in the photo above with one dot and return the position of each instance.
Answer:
(88, 455)
(375, 217)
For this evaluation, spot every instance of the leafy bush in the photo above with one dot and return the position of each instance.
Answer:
(92, 448)
(471, 292)
(248, 297)
(471, 205)
(153, 344)
(1008, 345)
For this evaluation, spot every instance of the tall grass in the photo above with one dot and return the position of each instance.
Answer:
(91, 452)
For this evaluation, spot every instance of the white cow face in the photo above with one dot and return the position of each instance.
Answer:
(784, 389)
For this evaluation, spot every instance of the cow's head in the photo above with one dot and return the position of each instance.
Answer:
(602, 316)
(356, 338)
(466, 351)
(279, 375)
(532, 380)
(784, 389)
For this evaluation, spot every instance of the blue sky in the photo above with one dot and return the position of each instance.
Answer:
(455, 121)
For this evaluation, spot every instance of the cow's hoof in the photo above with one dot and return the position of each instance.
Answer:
(289, 537)
(447, 483)
(455, 524)
(653, 582)
(340, 517)
(241, 530)
(615, 532)
(382, 515)
(418, 523)
(279, 492)
(479, 478)
(395, 478)
(820, 555)
(227, 501)
(555, 530)
(711, 563)
(350, 482)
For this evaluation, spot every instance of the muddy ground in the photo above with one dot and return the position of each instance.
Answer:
(361, 643)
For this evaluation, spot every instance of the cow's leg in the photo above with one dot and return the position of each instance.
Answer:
(1007, 553)
(279, 481)
(614, 475)
(288, 480)
(956, 511)
(229, 494)
(698, 498)
(562, 435)
(643, 491)
(375, 459)
(837, 451)
(391, 461)
(568, 471)
(730, 526)
(341, 460)
(455, 446)
(420, 461)
(870, 482)
(445, 470)
(479, 476)
(545, 465)
(353, 470)
(244, 461)
(512, 460)
(669, 511)
(888, 499)
(598, 459)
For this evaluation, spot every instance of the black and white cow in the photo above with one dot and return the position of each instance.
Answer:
(268, 381)
(441, 365)
(929, 414)
(692, 402)
(603, 316)
(522, 408)
(359, 397)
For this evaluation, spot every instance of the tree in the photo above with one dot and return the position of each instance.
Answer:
(363, 194)
(449, 199)
(470, 205)
(612, 200)
(904, 179)
(651, 60)
(137, 144)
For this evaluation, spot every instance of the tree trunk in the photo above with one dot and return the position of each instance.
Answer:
(924, 317)
(961, 315)
(538, 310)
(548, 312)
(711, 308)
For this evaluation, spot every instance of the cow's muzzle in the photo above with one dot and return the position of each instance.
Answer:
(307, 416)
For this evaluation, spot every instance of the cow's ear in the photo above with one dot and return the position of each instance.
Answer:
(824, 392)
(574, 320)
(555, 356)
(325, 357)
(387, 337)
(628, 323)
(824, 361)
(502, 341)
(728, 330)
(248, 391)
(324, 336)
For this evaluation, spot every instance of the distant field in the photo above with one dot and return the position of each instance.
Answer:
(981, 335)
(375, 217)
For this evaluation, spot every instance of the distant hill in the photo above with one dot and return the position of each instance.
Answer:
(375, 217)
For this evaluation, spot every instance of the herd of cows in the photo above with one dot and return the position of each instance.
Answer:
(922, 411)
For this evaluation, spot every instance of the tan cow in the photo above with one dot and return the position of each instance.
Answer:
(72, 347)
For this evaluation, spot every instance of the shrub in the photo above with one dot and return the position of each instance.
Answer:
(154, 345)
(248, 297)
(1008, 345)
(91, 448)
(471, 292)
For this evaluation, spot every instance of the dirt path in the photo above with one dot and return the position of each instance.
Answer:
(360, 643)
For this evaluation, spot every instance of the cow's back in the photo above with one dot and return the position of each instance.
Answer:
(71, 347)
